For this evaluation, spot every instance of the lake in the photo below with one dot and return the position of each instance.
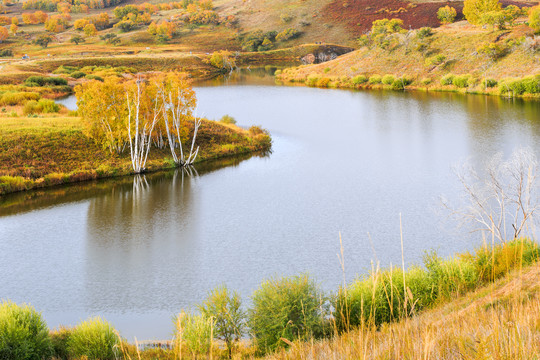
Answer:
(138, 250)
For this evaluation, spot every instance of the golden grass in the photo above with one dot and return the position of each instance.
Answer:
(457, 43)
(37, 152)
(500, 321)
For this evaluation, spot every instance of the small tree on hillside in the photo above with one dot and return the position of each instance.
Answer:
(534, 18)
(474, 9)
(43, 40)
(446, 14)
(76, 39)
(90, 30)
(3, 34)
(224, 308)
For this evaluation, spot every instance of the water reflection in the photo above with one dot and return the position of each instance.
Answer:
(131, 230)
(21, 202)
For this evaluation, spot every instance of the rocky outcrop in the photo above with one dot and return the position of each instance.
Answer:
(325, 53)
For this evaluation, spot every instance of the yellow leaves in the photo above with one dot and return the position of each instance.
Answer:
(104, 106)
(3, 33)
(473, 9)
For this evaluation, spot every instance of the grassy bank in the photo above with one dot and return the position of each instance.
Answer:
(44, 151)
(483, 304)
(498, 321)
(450, 58)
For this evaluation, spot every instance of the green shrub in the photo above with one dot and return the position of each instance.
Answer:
(512, 86)
(194, 332)
(359, 79)
(14, 183)
(424, 32)
(447, 79)
(290, 308)
(44, 81)
(43, 106)
(59, 340)
(323, 82)
(446, 14)
(532, 84)
(224, 308)
(401, 83)
(382, 297)
(77, 74)
(388, 79)
(450, 277)
(435, 60)
(31, 107)
(17, 98)
(227, 119)
(288, 34)
(425, 81)
(94, 339)
(312, 79)
(23, 333)
(6, 53)
(493, 51)
(461, 81)
(375, 79)
(285, 18)
(493, 262)
(65, 69)
(94, 77)
(489, 83)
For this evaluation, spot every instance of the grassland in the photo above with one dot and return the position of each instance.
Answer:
(499, 321)
(45, 151)
(423, 62)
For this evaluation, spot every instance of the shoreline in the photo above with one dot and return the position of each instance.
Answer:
(235, 142)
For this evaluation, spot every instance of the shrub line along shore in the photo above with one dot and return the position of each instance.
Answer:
(291, 316)
(453, 58)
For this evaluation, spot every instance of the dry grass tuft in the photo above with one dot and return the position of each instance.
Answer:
(501, 321)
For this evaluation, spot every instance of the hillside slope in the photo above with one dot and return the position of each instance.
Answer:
(500, 321)
(425, 61)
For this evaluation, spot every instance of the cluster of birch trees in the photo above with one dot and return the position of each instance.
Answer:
(139, 114)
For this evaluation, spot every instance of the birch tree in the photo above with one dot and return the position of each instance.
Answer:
(178, 99)
(102, 107)
(503, 200)
(144, 111)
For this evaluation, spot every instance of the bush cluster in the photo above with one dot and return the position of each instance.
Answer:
(375, 79)
(283, 309)
(435, 60)
(368, 299)
(13, 98)
(258, 40)
(512, 86)
(6, 53)
(23, 333)
(39, 81)
(43, 106)
(359, 79)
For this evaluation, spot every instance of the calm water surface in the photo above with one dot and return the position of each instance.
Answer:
(137, 250)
